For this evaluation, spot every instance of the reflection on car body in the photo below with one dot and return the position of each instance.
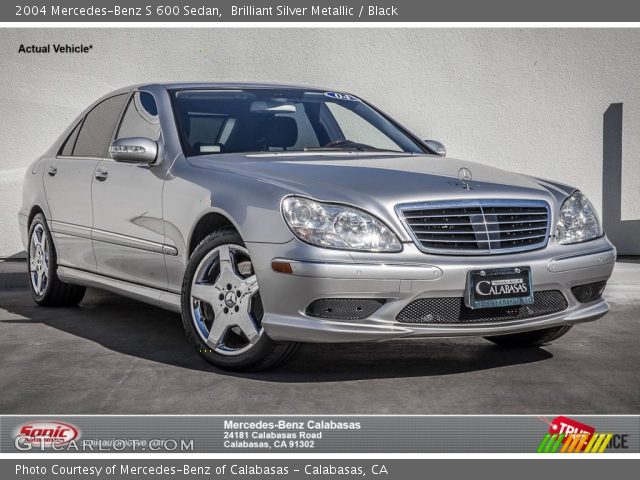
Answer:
(270, 215)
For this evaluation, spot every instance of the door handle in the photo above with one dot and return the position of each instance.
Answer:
(52, 171)
(101, 174)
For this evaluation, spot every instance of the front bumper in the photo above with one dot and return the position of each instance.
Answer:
(409, 275)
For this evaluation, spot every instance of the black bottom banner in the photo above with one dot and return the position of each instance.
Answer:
(256, 469)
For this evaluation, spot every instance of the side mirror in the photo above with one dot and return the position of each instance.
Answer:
(436, 147)
(134, 150)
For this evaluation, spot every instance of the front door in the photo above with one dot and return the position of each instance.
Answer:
(128, 230)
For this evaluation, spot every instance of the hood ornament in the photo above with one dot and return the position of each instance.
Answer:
(465, 176)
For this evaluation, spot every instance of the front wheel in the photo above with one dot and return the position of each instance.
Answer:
(530, 339)
(222, 310)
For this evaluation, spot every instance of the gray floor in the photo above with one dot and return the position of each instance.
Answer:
(113, 355)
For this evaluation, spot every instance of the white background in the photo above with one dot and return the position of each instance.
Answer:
(529, 100)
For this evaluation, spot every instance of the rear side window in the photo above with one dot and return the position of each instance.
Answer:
(141, 118)
(97, 129)
(70, 142)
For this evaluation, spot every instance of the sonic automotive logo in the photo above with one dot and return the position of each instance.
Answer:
(45, 434)
(570, 436)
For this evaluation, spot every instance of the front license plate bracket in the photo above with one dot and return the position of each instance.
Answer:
(498, 287)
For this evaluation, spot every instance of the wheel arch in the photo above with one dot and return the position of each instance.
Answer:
(207, 223)
(35, 210)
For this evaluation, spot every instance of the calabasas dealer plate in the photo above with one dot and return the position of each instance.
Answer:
(500, 287)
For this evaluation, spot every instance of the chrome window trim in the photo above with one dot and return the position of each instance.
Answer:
(478, 203)
(68, 157)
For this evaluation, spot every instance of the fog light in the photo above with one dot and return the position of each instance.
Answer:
(589, 292)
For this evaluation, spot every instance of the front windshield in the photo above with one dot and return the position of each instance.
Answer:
(289, 120)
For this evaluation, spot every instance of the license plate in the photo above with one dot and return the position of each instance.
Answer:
(500, 287)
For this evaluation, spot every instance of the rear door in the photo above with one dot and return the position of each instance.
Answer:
(128, 230)
(67, 183)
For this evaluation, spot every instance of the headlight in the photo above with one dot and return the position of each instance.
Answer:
(578, 220)
(337, 226)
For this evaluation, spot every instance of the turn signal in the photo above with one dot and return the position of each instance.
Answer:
(281, 267)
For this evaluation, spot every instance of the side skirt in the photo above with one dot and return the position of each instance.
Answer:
(159, 298)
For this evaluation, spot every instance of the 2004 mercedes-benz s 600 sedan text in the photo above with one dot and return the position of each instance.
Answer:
(270, 215)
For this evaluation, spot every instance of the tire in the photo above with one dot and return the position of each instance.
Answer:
(42, 263)
(530, 339)
(222, 310)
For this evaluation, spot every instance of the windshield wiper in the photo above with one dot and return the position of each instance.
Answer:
(349, 149)
(335, 149)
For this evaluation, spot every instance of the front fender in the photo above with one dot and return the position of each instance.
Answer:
(191, 192)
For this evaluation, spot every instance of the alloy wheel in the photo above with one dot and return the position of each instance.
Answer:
(225, 303)
(39, 260)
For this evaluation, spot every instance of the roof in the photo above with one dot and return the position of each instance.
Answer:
(187, 85)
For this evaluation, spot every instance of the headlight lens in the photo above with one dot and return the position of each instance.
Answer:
(337, 226)
(578, 220)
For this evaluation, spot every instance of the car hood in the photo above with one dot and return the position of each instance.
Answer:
(378, 182)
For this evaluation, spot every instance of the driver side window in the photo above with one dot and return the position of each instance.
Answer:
(141, 118)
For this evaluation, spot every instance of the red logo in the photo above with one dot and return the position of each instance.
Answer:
(570, 427)
(46, 433)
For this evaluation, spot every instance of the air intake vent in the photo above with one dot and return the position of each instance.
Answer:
(480, 227)
(452, 310)
(344, 308)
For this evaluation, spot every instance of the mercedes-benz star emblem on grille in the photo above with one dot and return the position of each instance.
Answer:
(465, 176)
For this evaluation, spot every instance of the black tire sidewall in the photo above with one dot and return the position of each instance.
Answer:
(253, 358)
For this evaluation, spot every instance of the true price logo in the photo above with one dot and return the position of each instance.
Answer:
(566, 435)
(570, 427)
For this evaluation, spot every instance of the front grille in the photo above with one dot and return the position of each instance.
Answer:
(478, 227)
(452, 310)
(344, 308)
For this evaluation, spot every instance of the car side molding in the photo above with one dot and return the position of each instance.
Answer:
(160, 298)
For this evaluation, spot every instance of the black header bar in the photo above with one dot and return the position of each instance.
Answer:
(227, 11)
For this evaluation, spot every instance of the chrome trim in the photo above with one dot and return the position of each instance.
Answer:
(126, 241)
(104, 236)
(588, 259)
(368, 271)
(169, 250)
(76, 157)
(478, 203)
(64, 228)
(160, 298)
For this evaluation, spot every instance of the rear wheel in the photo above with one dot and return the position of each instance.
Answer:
(530, 339)
(46, 287)
(222, 310)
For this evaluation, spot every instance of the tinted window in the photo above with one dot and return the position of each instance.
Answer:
(141, 118)
(69, 143)
(97, 129)
(265, 120)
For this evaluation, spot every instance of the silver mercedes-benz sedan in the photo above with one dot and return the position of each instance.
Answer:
(270, 215)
